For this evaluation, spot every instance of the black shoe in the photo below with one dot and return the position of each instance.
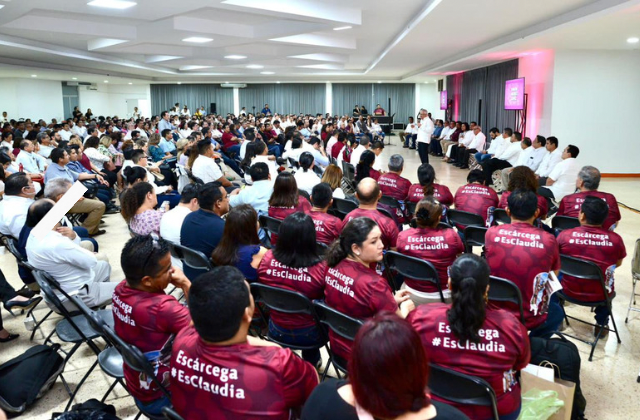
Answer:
(405, 146)
(412, 148)
(98, 233)
(11, 337)
(26, 292)
(24, 305)
(463, 167)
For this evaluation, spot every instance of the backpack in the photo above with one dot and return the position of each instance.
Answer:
(565, 357)
(28, 377)
(89, 410)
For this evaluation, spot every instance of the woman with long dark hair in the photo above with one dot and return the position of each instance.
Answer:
(294, 264)
(388, 377)
(352, 286)
(240, 244)
(286, 199)
(427, 187)
(474, 338)
(138, 209)
(523, 178)
(364, 168)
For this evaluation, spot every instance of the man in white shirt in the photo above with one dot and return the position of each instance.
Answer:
(477, 143)
(506, 159)
(531, 156)
(257, 195)
(19, 193)
(45, 144)
(359, 150)
(77, 270)
(65, 133)
(171, 221)
(30, 163)
(425, 130)
(550, 161)
(445, 138)
(527, 149)
(498, 144)
(562, 179)
(206, 168)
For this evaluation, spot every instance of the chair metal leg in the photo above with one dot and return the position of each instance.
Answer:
(615, 327)
(38, 324)
(632, 298)
(84, 378)
(113, 385)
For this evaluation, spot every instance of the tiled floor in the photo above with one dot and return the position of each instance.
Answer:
(609, 382)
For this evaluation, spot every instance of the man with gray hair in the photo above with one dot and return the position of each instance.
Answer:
(46, 146)
(391, 183)
(359, 150)
(94, 209)
(587, 182)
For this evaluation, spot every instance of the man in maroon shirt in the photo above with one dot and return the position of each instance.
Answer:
(588, 182)
(475, 197)
(218, 372)
(526, 255)
(328, 227)
(592, 242)
(146, 317)
(230, 142)
(392, 183)
(368, 193)
(337, 147)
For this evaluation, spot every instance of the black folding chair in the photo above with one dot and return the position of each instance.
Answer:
(386, 213)
(349, 174)
(411, 207)
(474, 236)
(190, 257)
(343, 325)
(304, 194)
(503, 290)
(343, 207)
(588, 272)
(464, 218)
(501, 217)
(270, 224)
(170, 414)
(462, 389)
(390, 201)
(288, 302)
(410, 267)
(561, 223)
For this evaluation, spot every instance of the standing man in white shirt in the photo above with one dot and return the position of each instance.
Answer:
(562, 179)
(549, 161)
(506, 159)
(359, 150)
(425, 130)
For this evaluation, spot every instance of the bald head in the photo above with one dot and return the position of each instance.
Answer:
(368, 191)
(37, 210)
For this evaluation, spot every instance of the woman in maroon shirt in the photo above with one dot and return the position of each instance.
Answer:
(523, 178)
(351, 286)
(285, 199)
(364, 168)
(427, 187)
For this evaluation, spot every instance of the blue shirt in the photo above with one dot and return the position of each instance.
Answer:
(56, 171)
(201, 231)
(266, 111)
(156, 153)
(167, 146)
(77, 167)
(165, 125)
(437, 132)
(305, 132)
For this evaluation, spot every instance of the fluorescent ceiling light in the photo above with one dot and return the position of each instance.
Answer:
(235, 57)
(379, 81)
(106, 81)
(187, 68)
(112, 4)
(130, 83)
(197, 39)
(342, 28)
(179, 83)
(255, 66)
(633, 40)
(278, 82)
(34, 75)
(74, 78)
(267, 72)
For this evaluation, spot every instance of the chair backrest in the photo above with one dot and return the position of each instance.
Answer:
(269, 223)
(462, 389)
(500, 216)
(444, 225)
(95, 320)
(282, 300)
(170, 414)
(474, 236)
(635, 262)
(349, 171)
(464, 218)
(293, 163)
(385, 212)
(583, 270)
(190, 257)
(304, 194)
(390, 201)
(564, 222)
(341, 324)
(344, 206)
(44, 280)
(413, 268)
(411, 207)
(503, 290)
(12, 245)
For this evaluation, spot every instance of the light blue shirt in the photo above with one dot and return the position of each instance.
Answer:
(165, 125)
(257, 196)
(167, 146)
(29, 162)
(319, 159)
(305, 132)
(56, 171)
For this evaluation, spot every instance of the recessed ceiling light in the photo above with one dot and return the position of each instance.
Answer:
(235, 57)
(278, 82)
(633, 40)
(130, 83)
(255, 66)
(1, 6)
(379, 81)
(74, 78)
(226, 82)
(267, 72)
(106, 81)
(179, 83)
(34, 75)
(112, 4)
(197, 39)
(342, 28)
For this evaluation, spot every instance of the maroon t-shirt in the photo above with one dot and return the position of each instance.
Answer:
(335, 149)
(309, 281)
(543, 204)
(440, 193)
(281, 213)
(598, 245)
(328, 227)
(239, 381)
(357, 291)
(438, 246)
(503, 350)
(226, 140)
(148, 321)
(387, 226)
(394, 186)
(570, 206)
(520, 252)
(476, 198)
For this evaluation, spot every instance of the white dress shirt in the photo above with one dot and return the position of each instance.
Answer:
(206, 169)
(445, 133)
(306, 180)
(549, 162)
(511, 153)
(478, 142)
(497, 146)
(425, 131)
(13, 213)
(564, 174)
(525, 156)
(330, 144)
(356, 154)
(81, 131)
(467, 139)
(257, 196)
(170, 226)
(536, 157)
(411, 128)
(65, 135)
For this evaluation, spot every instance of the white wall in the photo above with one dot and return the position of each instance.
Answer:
(112, 99)
(428, 97)
(594, 91)
(31, 98)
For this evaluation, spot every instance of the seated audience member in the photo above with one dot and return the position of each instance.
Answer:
(166, 143)
(19, 193)
(138, 209)
(447, 138)
(593, 242)
(368, 194)
(27, 158)
(257, 195)
(562, 179)
(100, 161)
(328, 145)
(526, 255)
(294, 264)
(242, 377)
(388, 383)
(530, 157)
(506, 159)
(364, 168)
(588, 182)
(77, 270)
(339, 145)
(333, 176)
(132, 175)
(430, 243)
(327, 226)
(408, 136)
(465, 138)
(148, 318)
(391, 183)
(474, 338)
(202, 229)
(549, 161)
(206, 168)
(497, 145)
(286, 199)
(295, 150)
(171, 222)
(164, 192)
(351, 286)
(240, 244)
(464, 154)
(46, 146)
(257, 152)
(427, 187)
(305, 177)
(103, 190)
(523, 178)
(319, 155)
(363, 146)
(476, 197)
